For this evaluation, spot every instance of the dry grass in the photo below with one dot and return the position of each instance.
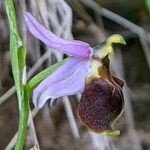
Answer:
(58, 128)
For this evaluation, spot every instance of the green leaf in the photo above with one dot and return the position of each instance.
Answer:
(18, 55)
(21, 59)
(148, 5)
(17, 50)
(42, 75)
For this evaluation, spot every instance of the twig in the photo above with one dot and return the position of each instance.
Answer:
(117, 63)
(13, 140)
(124, 22)
(99, 142)
(33, 131)
(10, 92)
(35, 67)
(71, 118)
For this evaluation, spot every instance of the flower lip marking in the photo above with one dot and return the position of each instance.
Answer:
(102, 100)
(101, 103)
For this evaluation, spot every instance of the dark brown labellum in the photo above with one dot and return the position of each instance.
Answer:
(101, 104)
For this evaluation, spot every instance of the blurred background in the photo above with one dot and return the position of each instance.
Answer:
(91, 21)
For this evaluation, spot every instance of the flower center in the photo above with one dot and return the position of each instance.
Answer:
(97, 68)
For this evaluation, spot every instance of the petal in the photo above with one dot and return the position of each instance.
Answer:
(116, 38)
(59, 74)
(74, 48)
(101, 106)
(66, 80)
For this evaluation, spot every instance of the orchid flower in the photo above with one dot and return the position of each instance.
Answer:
(86, 71)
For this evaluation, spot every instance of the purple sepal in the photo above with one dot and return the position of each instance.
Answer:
(78, 49)
(68, 79)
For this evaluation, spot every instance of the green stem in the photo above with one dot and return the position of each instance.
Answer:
(23, 120)
(18, 55)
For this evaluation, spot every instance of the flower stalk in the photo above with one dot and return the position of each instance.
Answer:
(23, 119)
(18, 56)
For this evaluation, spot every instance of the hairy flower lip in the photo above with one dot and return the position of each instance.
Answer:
(106, 114)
